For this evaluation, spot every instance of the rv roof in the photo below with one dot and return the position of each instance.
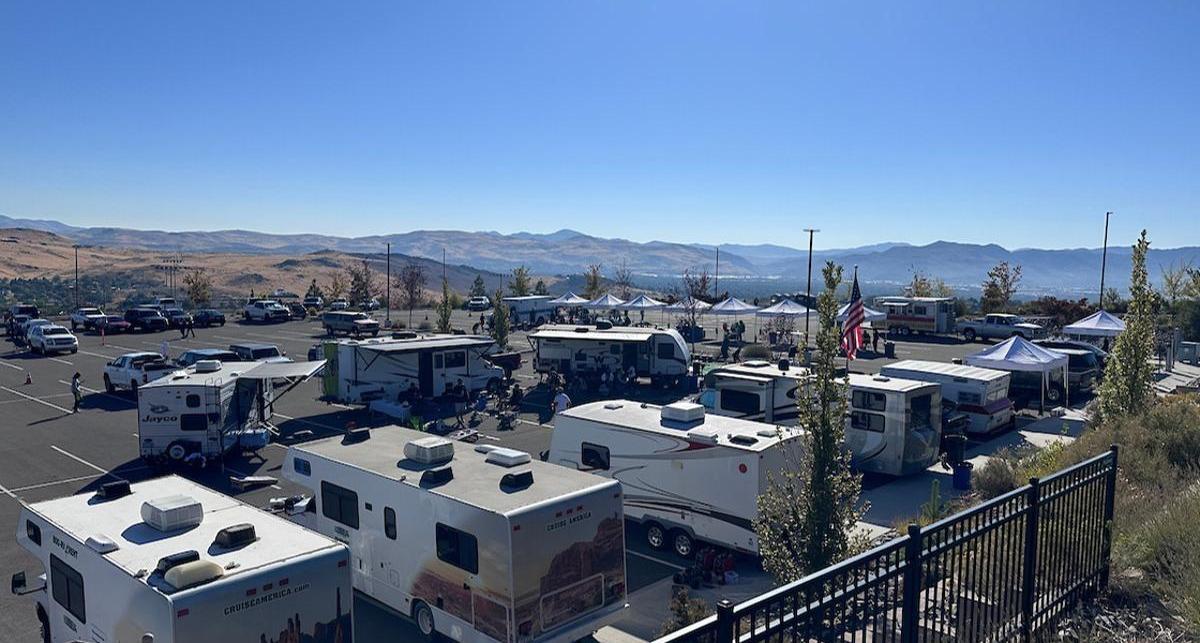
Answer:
(526, 298)
(423, 342)
(648, 417)
(761, 370)
(139, 546)
(189, 377)
(945, 368)
(562, 331)
(886, 383)
(476, 482)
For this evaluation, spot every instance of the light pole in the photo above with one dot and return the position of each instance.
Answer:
(388, 298)
(808, 288)
(1104, 258)
(76, 247)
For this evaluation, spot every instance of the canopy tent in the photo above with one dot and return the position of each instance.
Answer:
(569, 299)
(642, 303)
(1098, 324)
(869, 314)
(604, 302)
(785, 308)
(688, 305)
(1019, 354)
(732, 306)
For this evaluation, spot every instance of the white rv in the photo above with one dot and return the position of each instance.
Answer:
(981, 393)
(479, 544)
(170, 561)
(364, 370)
(920, 315)
(893, 427)
(529, 310)
(204, 411)
(686, 476)
(660, 354)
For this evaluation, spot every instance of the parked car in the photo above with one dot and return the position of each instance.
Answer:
(29, 311)
(265, 310)
(146, 319)
(339, 304)
(52, 338)
(297, 310)
(176, 317)
(134, 369)
(196, 354)
(86, 317)
(314, 302)
(999, 326)
(479, 303)
(1083, 369)
(16, 325)
(1055, 344)
(352, 323)
(370, 304)
(208, 316)
(112, 324)
(255, 352)
(31, 324)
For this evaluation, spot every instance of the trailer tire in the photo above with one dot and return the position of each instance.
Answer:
(177, 451)
(656, 536)
(422, 615)
(969, 335)
(683, 544)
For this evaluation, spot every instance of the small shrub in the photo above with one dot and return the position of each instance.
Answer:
(996, 477)
(1170, 554)
(685, 610)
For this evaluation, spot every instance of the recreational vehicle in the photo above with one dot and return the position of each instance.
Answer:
(660, 354)
(204, 411)
(170, 561)
(981, 393)
(529, 310)
(361, 371)
(687, 476)
(908, 315)
(478, 544)
(889, 428)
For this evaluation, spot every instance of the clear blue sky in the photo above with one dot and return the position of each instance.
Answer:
(1016, 122)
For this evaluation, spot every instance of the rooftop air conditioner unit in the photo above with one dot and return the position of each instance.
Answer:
(431, 450)
(208, 366)
(172, 513)
(507, 457)
(683, 412)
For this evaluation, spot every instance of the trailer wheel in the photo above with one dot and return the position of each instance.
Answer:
(656, 536)
(177, 451)
(423, 616)
(682, 543)
(969, 334)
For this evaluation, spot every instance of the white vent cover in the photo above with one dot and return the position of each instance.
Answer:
(102, 544)
(429, 450)
(612, 406)
(192, 574)
(703, 436)
(756, 363)
(171, 513)
(507, 457)
(208, 366)
(768, 433)
(683, 412)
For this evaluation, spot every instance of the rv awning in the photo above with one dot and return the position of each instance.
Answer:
(623, 335)
(745, 377)
(435, 343)
(283, 370)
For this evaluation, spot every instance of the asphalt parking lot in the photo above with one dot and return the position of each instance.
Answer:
(49, 452)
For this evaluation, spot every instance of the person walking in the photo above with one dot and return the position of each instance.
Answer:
(165, 349)
(191, 327)
(561, 402)
(76, 390)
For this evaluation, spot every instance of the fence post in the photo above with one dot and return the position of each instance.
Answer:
(910, 609)
(1029, 567)
(1110, 496)
(725, 621)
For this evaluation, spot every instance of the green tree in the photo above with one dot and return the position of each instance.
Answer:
(540, 288)
(362, 283)
(1176, 281)
(337, 286)
(518, 281)
(920, 285)
(501, 324)
(411, 283)
(478, 288)
(1000, 286)
(807, 515)
(593, 282)
(198, 286)
(685, 610)
(444, 308)
(1128, 384)
(314, 290)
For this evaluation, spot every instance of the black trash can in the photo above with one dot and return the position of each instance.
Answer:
(889, 350)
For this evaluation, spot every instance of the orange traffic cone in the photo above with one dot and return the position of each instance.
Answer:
(28, 377)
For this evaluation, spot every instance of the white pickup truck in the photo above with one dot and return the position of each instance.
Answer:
(86, 318)
(264, 310)
(1000, 326)
(134, 369)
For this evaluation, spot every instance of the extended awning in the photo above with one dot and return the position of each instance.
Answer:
(284, 370)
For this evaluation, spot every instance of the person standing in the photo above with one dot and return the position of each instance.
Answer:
(76, 390)
(165, 349)
(561, 402)
(191, 327)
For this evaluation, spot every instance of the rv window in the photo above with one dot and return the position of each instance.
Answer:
(866, 421)
(193, 422)
(594, 456)
(193, 401)
(457, 548)
(437, 361)
(919, 311)
(967, 397)
(67, 587)
(666, 351)
(389, 523)
(457, 359)
(743, 402)
(33, 532)
(302, 466)
(922, 409)
(339, 504)
(869, 400)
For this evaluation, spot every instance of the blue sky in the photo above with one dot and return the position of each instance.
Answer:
(1015, 122)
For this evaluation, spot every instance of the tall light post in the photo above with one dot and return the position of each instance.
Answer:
(76, 247)
(1104, 258)
(808, 288)
(388, 297)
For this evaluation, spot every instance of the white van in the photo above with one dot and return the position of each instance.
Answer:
(981, 393)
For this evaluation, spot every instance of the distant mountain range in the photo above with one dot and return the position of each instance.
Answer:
(568, 252)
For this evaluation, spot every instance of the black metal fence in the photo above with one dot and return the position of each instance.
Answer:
(999, 571)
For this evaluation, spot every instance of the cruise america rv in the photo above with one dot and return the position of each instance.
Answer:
(981, 393)
(660, 354)
(528, 311)
(687, 476)
(920, 315)
(363, 370)
(170, 561)
(478, 544)
(204, 411)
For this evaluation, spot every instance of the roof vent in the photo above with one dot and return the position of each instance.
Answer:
(431, 450)
(703, 436)
(582, 329)
(756, 363)
(114, 490)
(102, 544)
(742, 439)
(172, 513)
(512, 481)
(174, 560)
(507, 457)
(687, 412)
(355, 436)
(404, 334)
(486, 448)
(612, 406)
(208, 366)
(235, 536)
(767, 433)
(603, 324)
(192, 574)
(436, 477)
(882, 378)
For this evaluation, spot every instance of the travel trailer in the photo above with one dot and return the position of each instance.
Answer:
(170, 561)
(889, 429)
(361, 371)
(981, 393)
(478, 544)
(687, 476)
(204, 411)
(660, 354)
(529, 310)
(921, 315)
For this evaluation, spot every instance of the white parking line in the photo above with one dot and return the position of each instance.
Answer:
(82, 461)
(100, 355)
(34, 399)
(12, 366)
(60, 361)
(7, 492)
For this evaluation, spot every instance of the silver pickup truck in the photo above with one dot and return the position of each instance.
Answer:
(1000, 326)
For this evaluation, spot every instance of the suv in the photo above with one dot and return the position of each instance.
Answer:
(297, 310)
(350, 323)
(254, 352)
(196, 354)
(339, 304)
(164, 302)
(265, 310)
(208, 316)
(51, 338)
(146, 319)
(176, 317)
(1083, 368)
(479, 303)
(87, 317)
(314, 302)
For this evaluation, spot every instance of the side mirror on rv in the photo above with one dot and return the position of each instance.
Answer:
(18, 583)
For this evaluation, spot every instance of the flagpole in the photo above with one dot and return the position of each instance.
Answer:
(844, 331)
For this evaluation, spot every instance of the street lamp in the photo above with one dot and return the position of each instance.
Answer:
(808, 288)
(76, 247)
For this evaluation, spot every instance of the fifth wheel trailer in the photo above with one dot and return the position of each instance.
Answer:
(170, 561)
(478, 544)
(361, 371)
(656, 353)
(981, 393)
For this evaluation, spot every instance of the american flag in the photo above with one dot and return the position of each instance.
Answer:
(852, 330)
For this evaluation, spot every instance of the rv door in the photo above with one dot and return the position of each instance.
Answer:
(629, 355)
(425, 373)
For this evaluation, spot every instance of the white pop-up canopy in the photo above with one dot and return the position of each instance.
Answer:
(732, 306)
(1019, 354)
(569, 299)
(1098, 324)
(688, 305)
(642, 302)
(869, 314)
(785, 308)
(604, 302)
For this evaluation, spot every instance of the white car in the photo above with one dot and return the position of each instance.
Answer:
(86, 317)
(314, 302)
(266, 310)
(133, 369)
(52, 338)
(339, 304)
(28, 326)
